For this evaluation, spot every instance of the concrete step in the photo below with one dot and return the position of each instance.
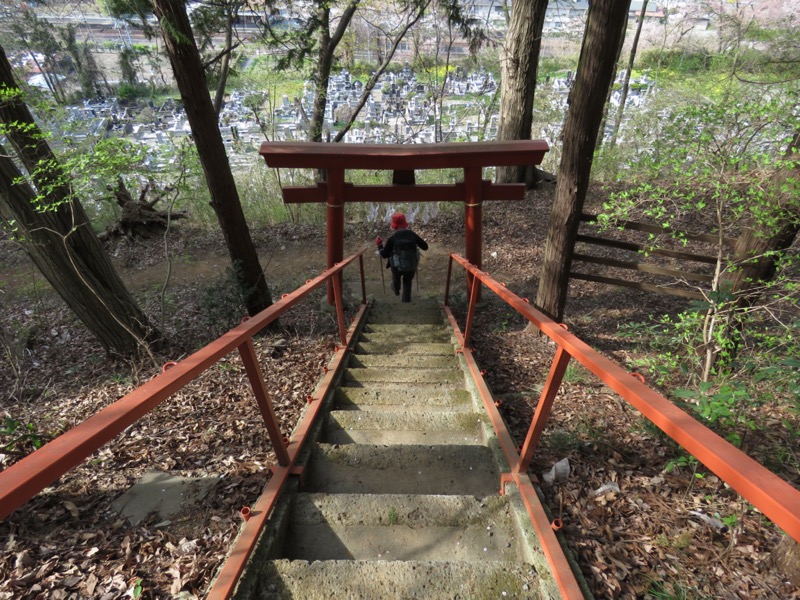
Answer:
(418, 313)
(439, 335)
(396, 580)
(422, 318)
(400, 527)
(402, 427)
(406, 361)
(402, 469)
(431, 398)
(401, 349)
(400, 498)
(378, 376)
(406, 328)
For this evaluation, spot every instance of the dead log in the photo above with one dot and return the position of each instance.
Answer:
(140, 217)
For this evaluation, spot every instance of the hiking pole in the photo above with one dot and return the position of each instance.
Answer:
(380, 268)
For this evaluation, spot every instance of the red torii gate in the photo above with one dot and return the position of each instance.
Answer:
(403, 159)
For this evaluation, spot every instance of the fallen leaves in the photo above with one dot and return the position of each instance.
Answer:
(67, 543)
(639, 540)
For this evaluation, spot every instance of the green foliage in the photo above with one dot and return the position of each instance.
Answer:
(97, 164)
(127, 65)
(555, 66)
(19, 437)
(663, 590)
(773, 363)
(757, 368)
(724, 407)
(677, 61)
(714, 155)
(681, 462)
(427, 67)
(715, 167)
(135, 12)
(577, 374)
(562, 442)
(669, 350)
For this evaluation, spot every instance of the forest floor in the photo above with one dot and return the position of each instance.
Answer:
(637, 539)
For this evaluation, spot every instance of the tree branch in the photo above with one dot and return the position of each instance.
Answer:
(221, 55)
(365, 93)
(344, 22)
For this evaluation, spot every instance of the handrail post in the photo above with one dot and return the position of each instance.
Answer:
(363, 278)
(250, 360)
(334, 216)
(447, 281)
(543, 407)
(473, 300)
(337, 295)
(473, 216)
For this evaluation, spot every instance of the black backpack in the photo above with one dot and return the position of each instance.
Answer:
(404, 251)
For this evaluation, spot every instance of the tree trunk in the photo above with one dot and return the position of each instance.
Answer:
(607, 103)
(58, 236)
(764, 241)
(78, 275)
(324, 62)
(518, 82)
(41, 70)
(190, 77)
(627, 82)
(326, 46)
(139, 217)
(225, 64)
(605, 25)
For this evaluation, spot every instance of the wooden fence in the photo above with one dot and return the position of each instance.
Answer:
(664, 265)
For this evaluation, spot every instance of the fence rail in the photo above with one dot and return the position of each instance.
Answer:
(678, 280)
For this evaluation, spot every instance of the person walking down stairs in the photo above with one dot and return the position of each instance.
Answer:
(401, 250)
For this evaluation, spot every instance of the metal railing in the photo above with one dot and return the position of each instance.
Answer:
(26, 478)
(774, 497)
(778, 500)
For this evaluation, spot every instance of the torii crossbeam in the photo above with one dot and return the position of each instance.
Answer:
(403, 160)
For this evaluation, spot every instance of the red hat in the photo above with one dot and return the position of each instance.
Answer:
(399, 221)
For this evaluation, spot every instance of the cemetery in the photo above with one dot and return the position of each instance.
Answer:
(403, 108)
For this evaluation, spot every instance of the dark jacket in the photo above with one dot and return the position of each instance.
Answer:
(387, 249)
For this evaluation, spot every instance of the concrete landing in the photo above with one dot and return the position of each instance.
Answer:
(162, 493)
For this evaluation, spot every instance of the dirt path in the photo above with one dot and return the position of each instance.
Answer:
(286, 263)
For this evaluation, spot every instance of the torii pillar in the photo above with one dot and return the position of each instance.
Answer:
(403, 160)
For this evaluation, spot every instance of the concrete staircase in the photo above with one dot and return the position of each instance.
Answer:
(401, 496)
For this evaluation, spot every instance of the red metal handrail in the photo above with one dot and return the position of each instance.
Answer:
(774, 497)
(227, 578)
(23, 480)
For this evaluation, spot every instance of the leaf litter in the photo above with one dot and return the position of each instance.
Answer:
(632, 525)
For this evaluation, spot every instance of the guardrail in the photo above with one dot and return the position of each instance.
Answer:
(774, 497)
(26, 478)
